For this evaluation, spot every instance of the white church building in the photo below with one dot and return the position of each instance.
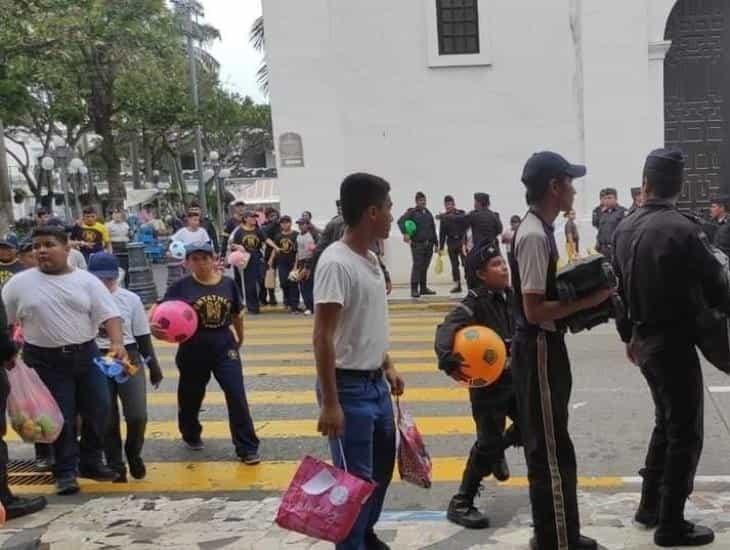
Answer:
(452, 96)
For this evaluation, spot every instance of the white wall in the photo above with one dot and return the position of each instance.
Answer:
(353, 79)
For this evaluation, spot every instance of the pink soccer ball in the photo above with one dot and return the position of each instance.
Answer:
(178, 320)
(238, 258)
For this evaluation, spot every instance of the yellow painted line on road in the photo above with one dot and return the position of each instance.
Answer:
(310, 370)
(307, 397)
(294, 322)
(426, 352)
(279, 429)
(284, 340)
(205, 477)
(307, 331)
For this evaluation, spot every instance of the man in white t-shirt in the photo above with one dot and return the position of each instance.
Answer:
(354, 371)
(60, 310)
(192, 233)
(118, 229)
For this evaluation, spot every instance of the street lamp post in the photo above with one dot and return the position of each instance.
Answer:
(47, 163)
(74, 169)
(222, 176)
(60, 156)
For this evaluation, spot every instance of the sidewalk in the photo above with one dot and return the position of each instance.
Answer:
(218, 523)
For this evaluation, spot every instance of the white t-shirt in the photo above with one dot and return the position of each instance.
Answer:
(134, 318)
(58, 310)
(118, 231)
(357, 284)
(187, 237)
(305, 246)
(76, 259)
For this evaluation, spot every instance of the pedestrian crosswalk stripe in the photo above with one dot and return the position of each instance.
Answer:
(254, 333)
(168, 350)
(295, 323)
(307, 397)
(283, 339)
(203, 477)
(310, 370)
(279, 429)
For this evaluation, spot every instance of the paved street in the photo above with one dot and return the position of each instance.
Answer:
(611, 419)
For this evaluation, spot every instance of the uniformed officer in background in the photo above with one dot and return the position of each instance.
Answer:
(424, 243)
(608, 219)
(452, 234)
(540, 365)
(718, 229)
(637, 198)
(664, 263)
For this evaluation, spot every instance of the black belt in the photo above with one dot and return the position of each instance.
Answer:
(128, 347)
(70, 348)
(375, 374)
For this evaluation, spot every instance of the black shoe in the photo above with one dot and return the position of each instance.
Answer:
(462, 512)
(99, 472)
(685, 534)
(194, 444)
(646, 517)
(456, 289)
(500, 470)
(121, 476)
(67, 486)
(251, 459)
(17, 507)
(372, 542)
(136, 467)
(428, 292)
(584, 543)
(415, 294)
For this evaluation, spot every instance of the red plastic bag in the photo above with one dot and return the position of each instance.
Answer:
(322, 501)
(414, 462)
(33, 412)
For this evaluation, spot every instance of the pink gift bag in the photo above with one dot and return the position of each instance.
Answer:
(414, 462)
(322, 501)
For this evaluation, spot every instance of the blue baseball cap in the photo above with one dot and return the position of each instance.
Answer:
(543, 167)
(104, 265)
(10, 241)
(198, 247)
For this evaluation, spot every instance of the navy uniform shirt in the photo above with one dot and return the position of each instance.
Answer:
(287, 244)
(665, 268)
(452, 229)
(425, 225)
(216, 306)
(608, 221)
(251, 239)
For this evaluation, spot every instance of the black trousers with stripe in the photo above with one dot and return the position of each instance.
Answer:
(543, 382)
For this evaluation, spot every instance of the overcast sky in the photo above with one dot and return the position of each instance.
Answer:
(239, 61)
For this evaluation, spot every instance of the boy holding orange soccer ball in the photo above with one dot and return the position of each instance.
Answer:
(488, 303)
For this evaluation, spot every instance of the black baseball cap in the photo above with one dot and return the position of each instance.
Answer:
(9, 241)
(285, 219)
(541, 168)
(198, 247)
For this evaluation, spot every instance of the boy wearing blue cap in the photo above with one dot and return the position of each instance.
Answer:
(132, 393)
(489, 303)
(9, 264)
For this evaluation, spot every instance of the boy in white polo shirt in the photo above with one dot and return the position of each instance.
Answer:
(355, 376)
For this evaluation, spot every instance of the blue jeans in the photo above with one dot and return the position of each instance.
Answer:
(307, 289)
(368, 444)
(79, 387)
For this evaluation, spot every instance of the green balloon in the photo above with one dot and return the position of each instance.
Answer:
(410, 227)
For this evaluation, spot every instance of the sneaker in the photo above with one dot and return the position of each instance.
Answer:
(684, 534)
(67, 486)
(137, 467)
(251, 459)
(463, 512)
(307, 312)
(98, 472)
(428, 292)
(17, 507)
(456, 290)
(194, 444)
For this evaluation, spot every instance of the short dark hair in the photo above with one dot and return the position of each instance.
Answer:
(449, 198)
(193, 214)
(516, 219)
(194, 204)
(89, 210)
(359, 192)
(420, 195)
(663, 185)
(536, 193)
(51, 231)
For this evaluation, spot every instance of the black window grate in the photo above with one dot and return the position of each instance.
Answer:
(458, 27)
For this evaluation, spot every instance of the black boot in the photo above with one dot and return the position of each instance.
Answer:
(457, 288)
(500, 469)
(461, 508)
(17, 507)
(414, 291)
(673, 530)
(647, 514)
(425, 291)
(272, 298)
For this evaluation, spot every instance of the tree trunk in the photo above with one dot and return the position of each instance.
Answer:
(6, 197)
(134, 154)
(147, 152)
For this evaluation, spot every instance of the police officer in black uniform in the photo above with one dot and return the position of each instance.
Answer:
(452, 234)
(637, 200)
(666, 269)
(540, 363)
(424, 244)
(485, 224)
(608, 219)
(718, 230)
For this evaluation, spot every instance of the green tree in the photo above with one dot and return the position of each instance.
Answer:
(257, 38)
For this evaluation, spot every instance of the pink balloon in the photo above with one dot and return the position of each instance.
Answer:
(238, 258)
(178, 320)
